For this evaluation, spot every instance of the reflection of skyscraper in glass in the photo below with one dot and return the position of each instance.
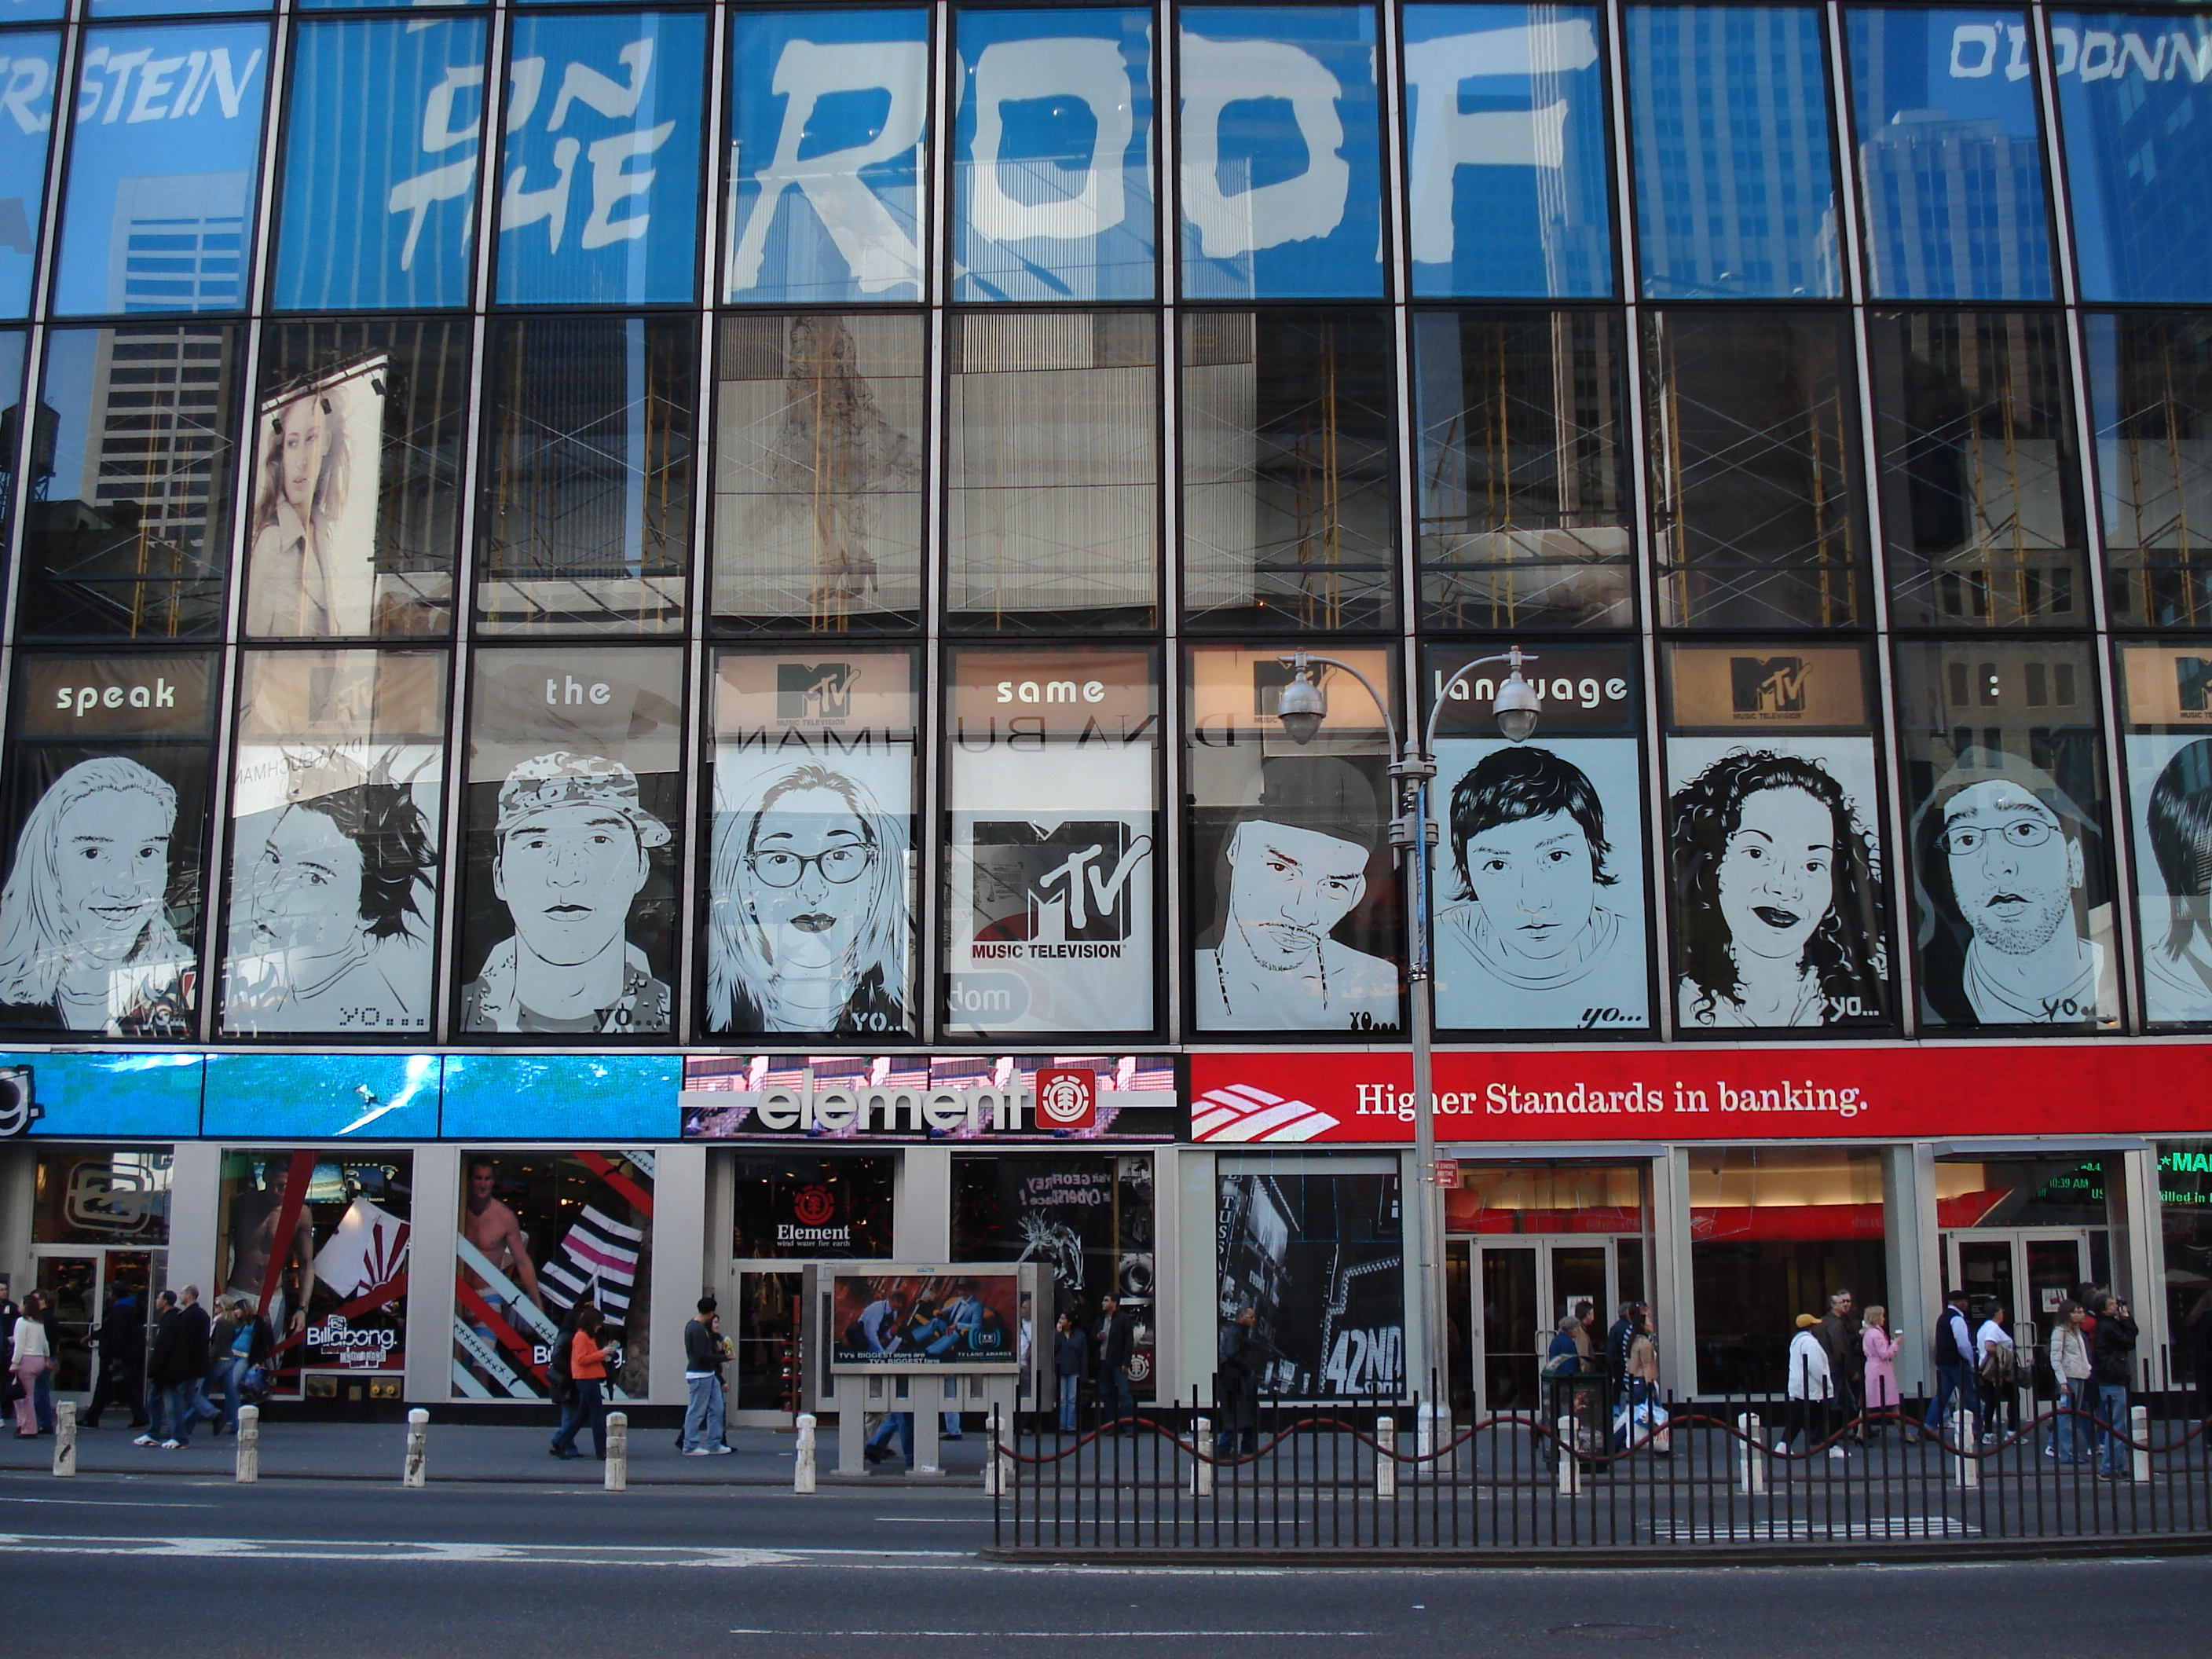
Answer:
(179, 243)
(1957, 208)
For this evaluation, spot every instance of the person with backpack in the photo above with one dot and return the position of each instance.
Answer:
(2112, 1361)
(1996, 1376)
(1953, 1356)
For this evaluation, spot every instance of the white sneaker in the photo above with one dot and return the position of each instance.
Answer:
(145, 1440)
(1782, 1447)
(698, 1451)
(172, 1445)
(1836, 1452)
(719, 1451)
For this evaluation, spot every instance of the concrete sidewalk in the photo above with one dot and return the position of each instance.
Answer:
(473, 1451)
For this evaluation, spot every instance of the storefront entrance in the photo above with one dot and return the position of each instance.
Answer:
(1509, 1299)
(81, 1283)
(2030, 1270)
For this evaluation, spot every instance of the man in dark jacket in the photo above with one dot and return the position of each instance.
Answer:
(120, 1341)
(1617, 1341)
(703, 1433)
(1953, 1356)
(1071, 1358)
(1117, 1345)
(2112, 1366)
(1840, 1335)
(1244, 1356)
(177, 1364)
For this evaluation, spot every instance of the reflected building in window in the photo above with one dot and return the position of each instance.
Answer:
(1957, 207)
(179, 244)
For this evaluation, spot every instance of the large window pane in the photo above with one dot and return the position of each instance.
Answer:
(1320, 1259)
(584, 507)
(1524, 487)
(336, 806)
(165, 156)
(1294, 902)
(1734, 190)
(128, 526)
(2004, 794)
(574, 805)
(105, 792)
(601, 160)
(1981, 499)
(1088, 1217)
(830, 111)
(1053, 470)
(1950, 141)
(2168, 737)
(1774, 841)
(1757, 516)
(1052, 815)
(27, 109)
(810, 880)
(818, 471)
(357, 485)
(1288, 489)
(379, 206)
(2150, 393)
(1509, 173)
(1280, 141)
(1052, 153)
(2133, 100)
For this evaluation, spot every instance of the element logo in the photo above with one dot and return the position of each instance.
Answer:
(812, 1206)
(1067, 1099)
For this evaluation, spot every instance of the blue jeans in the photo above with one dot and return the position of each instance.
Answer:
(1116, 1398)
(2060, 1441)
(1947, 1384)
(1067, 1386)
(42, 1400)
(180, 1403)
(585, 1405)
(2111, 1405)
(702, 1417)
(895, 1423)
(229, 1375)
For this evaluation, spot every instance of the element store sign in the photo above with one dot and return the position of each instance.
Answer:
(1066, 1098)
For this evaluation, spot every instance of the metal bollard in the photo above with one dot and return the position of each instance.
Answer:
(1570, 1467)
(998, 1463)
(802, 1467)
(1432, 1435)
(1202, 1472)
(617, 1451)
(249, 1444)
(418, 1448)
(1386, 1457)
(1970, 1462)
(1750, 1456)
(65, 1440)
(2138, 1431)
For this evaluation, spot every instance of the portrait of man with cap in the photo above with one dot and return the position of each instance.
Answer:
(2006, 935)
(1297, 867)
(573, 851)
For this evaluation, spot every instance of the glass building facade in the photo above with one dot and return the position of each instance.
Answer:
(561, 554)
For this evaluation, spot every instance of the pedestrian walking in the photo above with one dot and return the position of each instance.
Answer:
(1878, 1397)
(1839, 1336)
(1242, 1356)
(2070, 1370)
(1117, 1345)
(1997, 1374)
(30, 1357)
(703, 1433)
(118, 1346)
(177, 1366)
(2113, 1362)
(156, 1403)
(588, 1378)
(1070, 1358)
(1619, 1338)
(1955, 1359)
(242, 1342)
(1811, 1392)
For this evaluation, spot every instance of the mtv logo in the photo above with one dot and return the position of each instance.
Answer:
(1071, 884)
(813, 692)
(2192, 684)
(1767, 685)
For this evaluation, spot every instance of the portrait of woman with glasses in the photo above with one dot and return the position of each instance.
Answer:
(808, 927)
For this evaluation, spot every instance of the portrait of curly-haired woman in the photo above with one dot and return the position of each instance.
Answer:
(1777, 887)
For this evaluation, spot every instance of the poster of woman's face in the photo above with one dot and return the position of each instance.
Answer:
(2170, 783)
(1773, 852)
(334, 843)
(1537, 888)
(312, 562)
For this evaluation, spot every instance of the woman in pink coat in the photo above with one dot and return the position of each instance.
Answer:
(1880, 1349)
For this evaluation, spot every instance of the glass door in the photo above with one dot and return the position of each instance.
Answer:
(1526, 1288)
(71, 1281)
(2030, 1270)
(766, 1375)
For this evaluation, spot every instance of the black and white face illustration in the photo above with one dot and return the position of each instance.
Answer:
(1534, 881)
(803, 879)
(306, 895)
(1288, 889)
(567, 874)
(2014, 870)
(1775, 881)
(111, 852)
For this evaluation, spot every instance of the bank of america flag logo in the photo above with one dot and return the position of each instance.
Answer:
(1240, 1112)
(597, 1263)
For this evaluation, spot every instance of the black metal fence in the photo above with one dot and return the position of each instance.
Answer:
(1594, 1471)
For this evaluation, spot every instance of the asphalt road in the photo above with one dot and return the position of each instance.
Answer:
(184, 1567)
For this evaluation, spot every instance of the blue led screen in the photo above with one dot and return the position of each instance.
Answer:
(155, 218)
(1507, 171)
(26, 107)
(286, 1096)
(155, 1096)
(830, 113)
(568, 1097)
(1053, 157)
(1281, 167)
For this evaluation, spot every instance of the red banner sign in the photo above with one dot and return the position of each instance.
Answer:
(1854, 1091)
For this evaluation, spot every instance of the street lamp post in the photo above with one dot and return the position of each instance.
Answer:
(1412, 766)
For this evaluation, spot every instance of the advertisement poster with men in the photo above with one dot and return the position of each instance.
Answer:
(1537, 886)
(574, 798)
(544, 1236)
(1053, 823)
(964, 1318)
(1774, 841)
(1320, 1261)
(336, 807)
(811, 875)
(1293, 894)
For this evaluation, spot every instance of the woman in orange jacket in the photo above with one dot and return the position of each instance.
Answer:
(586, 1401)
